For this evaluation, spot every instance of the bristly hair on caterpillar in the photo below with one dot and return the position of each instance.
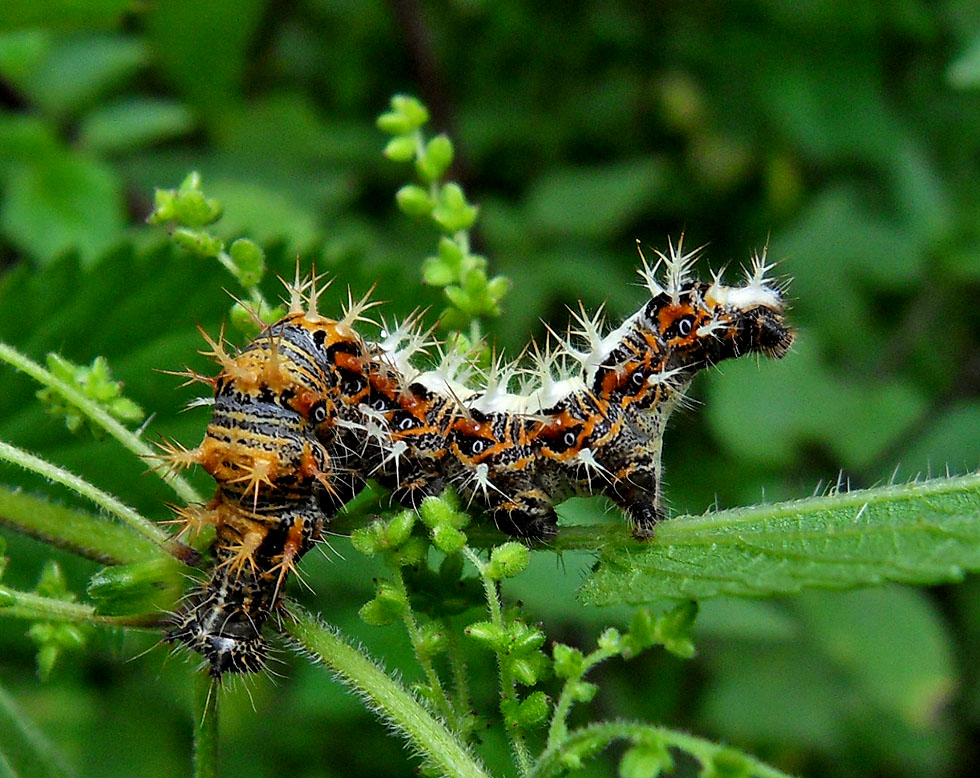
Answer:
(311, 409)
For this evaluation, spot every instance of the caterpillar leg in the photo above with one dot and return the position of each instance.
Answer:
(645, 511)
(528, 516)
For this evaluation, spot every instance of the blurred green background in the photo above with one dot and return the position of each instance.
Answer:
(846, 134)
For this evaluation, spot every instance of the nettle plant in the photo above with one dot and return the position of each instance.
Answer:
(443, 567)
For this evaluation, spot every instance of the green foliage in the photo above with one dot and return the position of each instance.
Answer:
(96, 383)
(914, 533)
(462, 274)
(576, 136)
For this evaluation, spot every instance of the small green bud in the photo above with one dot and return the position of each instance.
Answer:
(96, 383)
(507, 560)
(367, 539)
(6, 598)
(163, 207)
(486, 633)
(406, 114)
(461, 299)
(674, 629)
(376, 614)
(435, 272)
(52, 582)
(646, 760)
(533, 710)
(436, 511)
(569, 661)
(199, 242)
(610, 640)
(447, 539)
(411, 553)
(401, 148)
(135, 588)
(389, 604)
(399, 528)
(497, 287)
(432, 641)
(47, 657)
(393, 123)
(125, 409)
(249, 260)
(412, 109)
(582, 691)
(243, 319)
(436, 158)
(525, 638)
(528, 669)
(450, 252)
(413, 200)
(453, 213)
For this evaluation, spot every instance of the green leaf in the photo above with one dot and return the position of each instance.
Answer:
(594, 202)
(24, 750)
(77, 70)
(133, 123)
(925, 532)
(892, 644)
(202, 47)
(60, 203)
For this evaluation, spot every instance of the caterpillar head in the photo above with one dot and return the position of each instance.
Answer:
(699, 324)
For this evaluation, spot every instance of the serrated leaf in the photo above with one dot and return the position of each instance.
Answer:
(925, 532)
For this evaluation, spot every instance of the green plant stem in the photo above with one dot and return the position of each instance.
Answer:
(508, 687)
(98, 415)
(206, 693)
(386, 697)
(124, 513)
(594, 738)
(558, 730)
(438, 693)
(461, 685)
(77, 531)
(34, 607)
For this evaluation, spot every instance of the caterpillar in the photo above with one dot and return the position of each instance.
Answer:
(311, 409)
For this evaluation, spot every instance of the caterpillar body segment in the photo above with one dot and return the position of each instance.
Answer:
(276, 477)
(311, 409)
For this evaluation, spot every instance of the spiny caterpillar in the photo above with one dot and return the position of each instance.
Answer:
(311, 409)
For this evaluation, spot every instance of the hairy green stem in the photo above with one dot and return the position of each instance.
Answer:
(590, 740)
(438, 693)
(35, 607)
(104, 500)
(206, 693)
(508, 687)
(98, 415)
(74, 530)
(386, 697)
(558, 730)
(457, 667)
